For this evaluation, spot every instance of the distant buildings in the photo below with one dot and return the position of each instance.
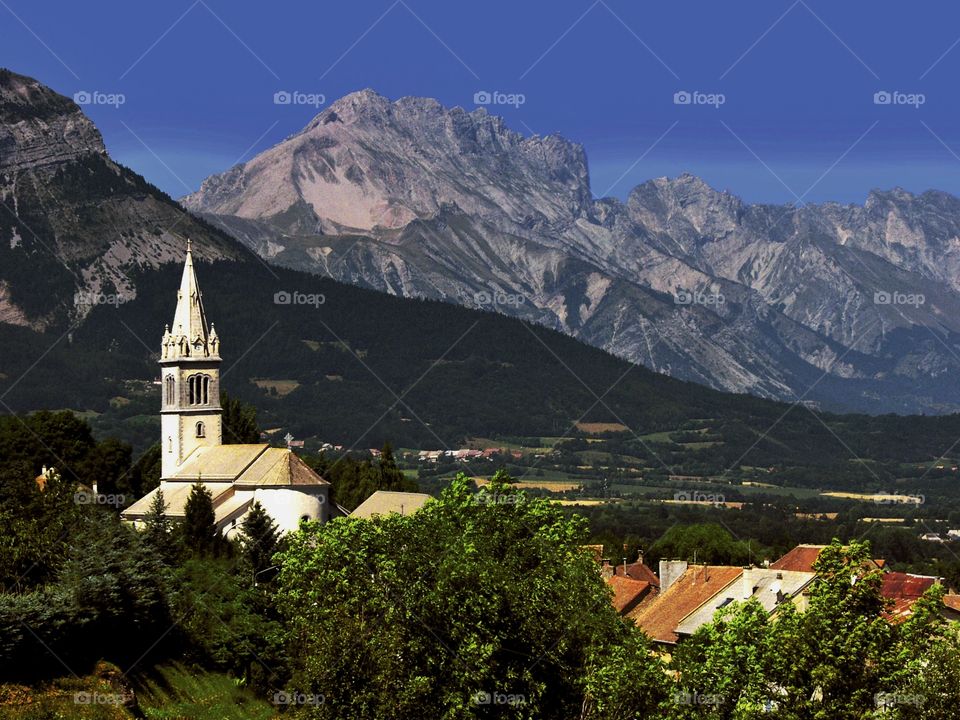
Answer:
(684, 597)
(386, 502)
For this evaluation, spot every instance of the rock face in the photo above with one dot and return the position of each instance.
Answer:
(855, 307)
(73, 222)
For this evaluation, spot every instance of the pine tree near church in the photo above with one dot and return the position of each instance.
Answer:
(158, 528)
(199, 524)
(261, 538)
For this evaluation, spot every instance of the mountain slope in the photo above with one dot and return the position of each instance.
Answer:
(73, 223)
(418, 200)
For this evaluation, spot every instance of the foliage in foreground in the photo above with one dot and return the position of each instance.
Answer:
(480, 599)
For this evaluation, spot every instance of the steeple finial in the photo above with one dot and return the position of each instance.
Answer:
(189, 244)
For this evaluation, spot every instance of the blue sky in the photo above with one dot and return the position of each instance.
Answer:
(797, 80)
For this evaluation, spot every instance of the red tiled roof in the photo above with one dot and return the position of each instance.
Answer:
(802, 558)
(627, 592)
(904, 590)
(638, 571)
(660, 617)
(952, 602)
(904, 586)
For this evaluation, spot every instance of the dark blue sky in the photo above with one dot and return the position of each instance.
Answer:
(798, 79)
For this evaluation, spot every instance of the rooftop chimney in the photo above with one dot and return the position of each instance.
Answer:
(747, 580)
(606, 569)
(670, 570)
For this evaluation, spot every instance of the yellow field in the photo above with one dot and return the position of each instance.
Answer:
(879, 498)
(598, 428)
(552, 485)
(586, 501)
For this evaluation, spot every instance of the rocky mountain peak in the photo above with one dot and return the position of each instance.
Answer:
(40, 127)
(367, 163)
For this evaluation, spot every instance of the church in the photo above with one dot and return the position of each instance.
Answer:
(191, 439)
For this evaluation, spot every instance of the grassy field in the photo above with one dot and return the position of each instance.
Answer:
(176, 691)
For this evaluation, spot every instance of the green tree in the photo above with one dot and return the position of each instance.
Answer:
(199, 522)
(720, 669)
(707, 542)
(480, 597)
(261, 538)
(145, 473)
(239, 421)
(36, 524)
(108, 463)
(158, 530)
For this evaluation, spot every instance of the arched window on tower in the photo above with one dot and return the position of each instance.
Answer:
(169, 388)
(192, 383)
(206, 389)
(201, 430)
(169, 443)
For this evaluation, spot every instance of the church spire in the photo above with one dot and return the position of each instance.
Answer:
(189, 336)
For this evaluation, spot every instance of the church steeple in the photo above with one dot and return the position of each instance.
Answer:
(189, 335)
(190, 414)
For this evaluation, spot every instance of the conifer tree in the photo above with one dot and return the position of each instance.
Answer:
(157, 526)
(260, 540)
(199, 524)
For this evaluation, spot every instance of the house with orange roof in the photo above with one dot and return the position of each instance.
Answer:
(683, 589)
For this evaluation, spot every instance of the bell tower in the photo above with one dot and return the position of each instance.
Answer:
(190, 413)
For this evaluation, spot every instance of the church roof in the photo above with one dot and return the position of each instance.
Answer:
(279, 466)
(247, 465)
(384, 502)
(219, 462)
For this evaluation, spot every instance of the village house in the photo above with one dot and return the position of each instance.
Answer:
(685, 597)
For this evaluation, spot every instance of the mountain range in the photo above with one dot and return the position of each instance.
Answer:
(90, 256)
(845, 306)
